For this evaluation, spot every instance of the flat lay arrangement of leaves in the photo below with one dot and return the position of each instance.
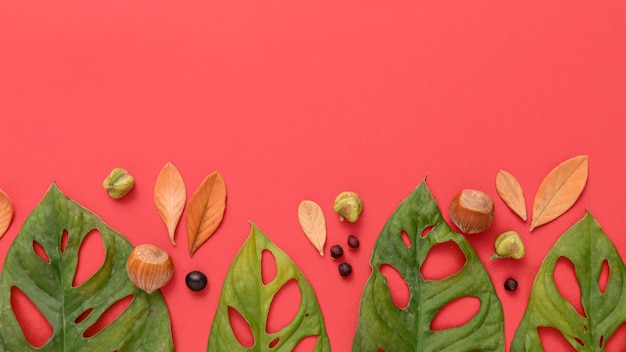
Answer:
(41, 265)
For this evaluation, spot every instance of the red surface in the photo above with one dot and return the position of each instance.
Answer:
(295, 100)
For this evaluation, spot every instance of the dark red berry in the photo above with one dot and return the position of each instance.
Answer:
(510, 284)
(353, 241)
(345, 269)
(336, 251)
(196, 281)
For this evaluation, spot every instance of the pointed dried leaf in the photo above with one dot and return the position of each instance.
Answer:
(205, 211)
(144, 325)
(587, 247)
(313, 223)
(6, 213)
(560, 190)
(170, 196)
(511, 193)
(244, 291)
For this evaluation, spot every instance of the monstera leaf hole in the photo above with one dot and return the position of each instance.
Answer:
(455, 313)
(400, 293)
(443, 260)
(91, 256)
(40, 252)
(565, 281)
(268, 266)
(406, 239)
(284, 307)
(37, 329)
(63, 244)
(426, 231)
(82, 316)
(241, 328)
(553, 340)
(603, 280)
(108, 316)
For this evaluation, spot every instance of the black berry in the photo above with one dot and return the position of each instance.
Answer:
(510, 284)
(196, 281)
(345, 269)
(353, 241)
(336, 251)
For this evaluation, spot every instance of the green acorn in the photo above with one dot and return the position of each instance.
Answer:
(118, 183)
(348, 205)
(509, 245)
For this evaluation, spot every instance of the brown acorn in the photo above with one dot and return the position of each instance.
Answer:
(149, 267)
(471, 211)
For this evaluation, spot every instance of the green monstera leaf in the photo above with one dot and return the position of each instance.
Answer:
(245, 292)
(587, 247)
(384, 326)
(47, 281)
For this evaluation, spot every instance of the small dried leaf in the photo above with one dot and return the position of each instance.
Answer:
(6, 212)
(313, 223)
(560, 190)
(170, 196)
(205, 211)
(511, 193)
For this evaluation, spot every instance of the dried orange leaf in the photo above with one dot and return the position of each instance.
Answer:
(511, 193)
(170, 196)
(6, 213)
(313, 223)
(560, 190)
(205, 211)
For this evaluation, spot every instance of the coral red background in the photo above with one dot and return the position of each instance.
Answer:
(295, 100)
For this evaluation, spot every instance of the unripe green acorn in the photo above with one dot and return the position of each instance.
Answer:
(118, 183)
(509, 245)
(348, 205)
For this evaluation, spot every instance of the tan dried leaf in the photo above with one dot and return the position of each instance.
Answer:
(511, 193)
(559, 190)
(170, 196)
(6, 213)
(313, 223)
(205, 211)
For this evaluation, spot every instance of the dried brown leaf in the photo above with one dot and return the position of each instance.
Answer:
(313, 223)
(170, 196)
(6, 213)
(511, 193)
(559, 190)
(205, 211)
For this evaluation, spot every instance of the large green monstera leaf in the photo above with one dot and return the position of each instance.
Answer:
(587, 247)
(384, 326)
(246, 293)
(47, 281)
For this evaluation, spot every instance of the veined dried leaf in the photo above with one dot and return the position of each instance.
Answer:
(313, 223)
(170, 196)
(511, 193)
(205, 211)
(6, 212)
(560, 190)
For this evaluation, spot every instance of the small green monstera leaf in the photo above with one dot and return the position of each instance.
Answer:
(587, 247)
(47, 281)
(245, 292)
(383, 326)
